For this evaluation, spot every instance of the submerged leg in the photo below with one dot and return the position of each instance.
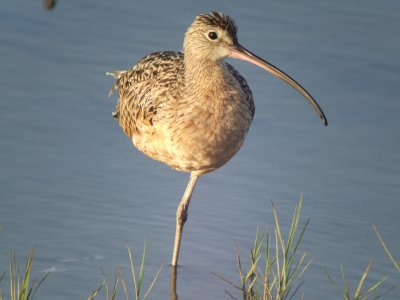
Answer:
(181, 216)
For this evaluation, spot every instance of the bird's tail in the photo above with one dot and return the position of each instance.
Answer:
(117, 75)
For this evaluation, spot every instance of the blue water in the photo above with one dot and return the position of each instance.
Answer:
(73, 187)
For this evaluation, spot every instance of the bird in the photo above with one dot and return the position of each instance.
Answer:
(191, 110)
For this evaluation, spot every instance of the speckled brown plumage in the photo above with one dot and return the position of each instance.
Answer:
(189, 123)
(144, 89)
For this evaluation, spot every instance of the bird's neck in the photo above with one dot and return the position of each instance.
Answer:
(202, 76)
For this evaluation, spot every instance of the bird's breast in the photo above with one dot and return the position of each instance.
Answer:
(203, 125)
(210, 129)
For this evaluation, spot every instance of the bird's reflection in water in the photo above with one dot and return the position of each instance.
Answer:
(174, 277)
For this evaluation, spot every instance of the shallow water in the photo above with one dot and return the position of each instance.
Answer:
(73, 187)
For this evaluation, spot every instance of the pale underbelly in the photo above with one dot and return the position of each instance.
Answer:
(198, 152)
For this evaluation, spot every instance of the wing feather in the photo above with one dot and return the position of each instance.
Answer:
(146, 87)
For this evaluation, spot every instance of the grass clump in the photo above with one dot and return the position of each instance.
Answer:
(137, 280)
(277, 277)
(361, 293)
(20, 287)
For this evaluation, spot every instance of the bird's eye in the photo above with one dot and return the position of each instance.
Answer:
(212, 35)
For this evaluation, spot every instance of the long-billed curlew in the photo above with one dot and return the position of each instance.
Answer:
(192, 110)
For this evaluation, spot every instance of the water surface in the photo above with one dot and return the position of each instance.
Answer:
(73, 187)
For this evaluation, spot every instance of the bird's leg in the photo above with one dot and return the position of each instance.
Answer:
(181, 216)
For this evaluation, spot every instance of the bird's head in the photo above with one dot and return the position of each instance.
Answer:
(213, 37)
(210, 36)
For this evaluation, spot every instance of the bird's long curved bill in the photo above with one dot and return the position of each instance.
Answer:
(240, 52)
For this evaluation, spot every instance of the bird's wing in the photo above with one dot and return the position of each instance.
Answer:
(145, 88)
(245, 87)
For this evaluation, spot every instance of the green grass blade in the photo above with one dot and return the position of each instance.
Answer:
(132, 263)
(96, 291)
(12, 277)
(296, 290)
(384, 294)
(106, 288)
(376, 285)
(124, 288)
(295, 224)
(239, 265)
(256, 242)
(363, 277)
(152, 283)
(253, 266)
(343, 275)
(394, 262)
(24, 292)
(298, 242)
(298, 270)
(2, 276)
(226, 280)
(141, 271)
(116, 283)
(342, 292)
(39, 284)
